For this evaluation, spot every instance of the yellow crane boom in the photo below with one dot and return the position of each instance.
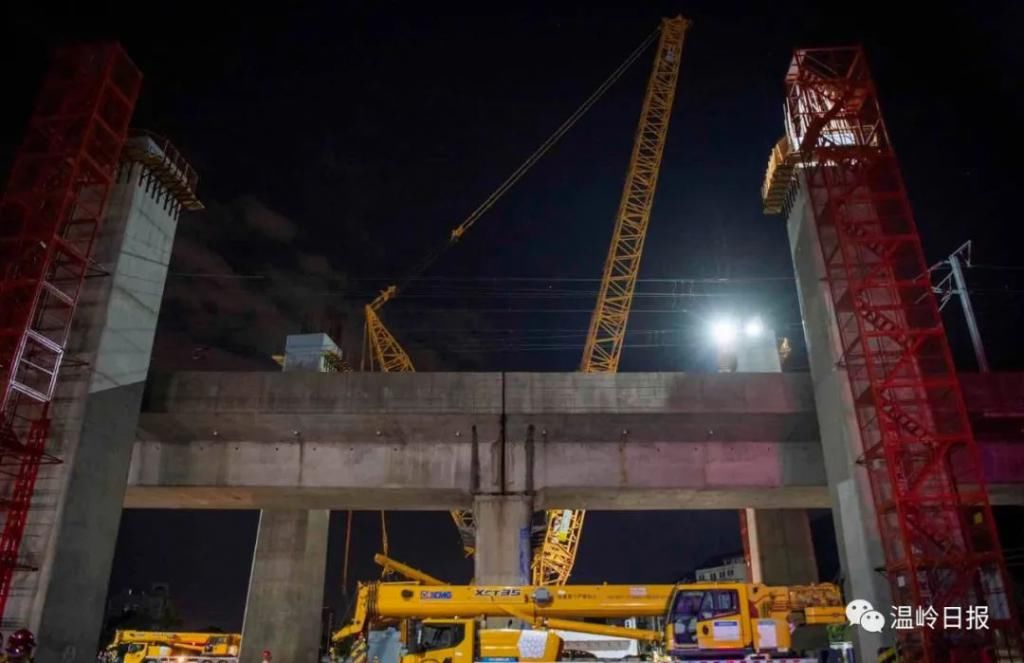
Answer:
(554, 563)
(406, 570)
(608, 323)
(556, 556)
(380, 600)
(381, 350)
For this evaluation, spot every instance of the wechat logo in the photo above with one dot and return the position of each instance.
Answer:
(863, 614)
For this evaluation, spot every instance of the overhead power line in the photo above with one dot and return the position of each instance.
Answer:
(476, 279)
(1007, 268)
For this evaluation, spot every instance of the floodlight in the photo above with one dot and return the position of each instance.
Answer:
(754, 328)
(723, 332)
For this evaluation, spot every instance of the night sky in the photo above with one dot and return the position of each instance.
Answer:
(338, 144)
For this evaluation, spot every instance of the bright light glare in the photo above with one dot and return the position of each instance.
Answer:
(723, 332)
(754, 328)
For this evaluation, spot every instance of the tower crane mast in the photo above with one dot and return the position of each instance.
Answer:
(615, 297)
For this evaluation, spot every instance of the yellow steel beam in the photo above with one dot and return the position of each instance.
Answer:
(553, 563)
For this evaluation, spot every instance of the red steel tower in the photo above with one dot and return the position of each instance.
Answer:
(50, 212)
(934, 518)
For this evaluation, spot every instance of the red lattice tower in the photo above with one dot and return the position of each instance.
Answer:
(50, 212)
(934, 517)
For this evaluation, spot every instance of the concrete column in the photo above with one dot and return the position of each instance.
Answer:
(781, 548)
(286, 587)
(853, 510)
(502, 539)
(778, 540)
(72, 527)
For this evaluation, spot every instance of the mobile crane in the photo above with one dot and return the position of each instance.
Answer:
(607, 331)
(555, 557)
(724, 619)
(144, 646)
(575, 644)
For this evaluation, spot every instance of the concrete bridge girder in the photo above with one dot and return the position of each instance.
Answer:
(433, 441)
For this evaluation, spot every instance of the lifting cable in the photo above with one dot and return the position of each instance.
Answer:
(384, 541)
(519, 172)
(348, 542)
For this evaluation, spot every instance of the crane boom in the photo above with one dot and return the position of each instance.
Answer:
(608, 323)
(381, 350)
(556, 556)
(406, 570)
(554, 563)
(381, 347)
(382, 600)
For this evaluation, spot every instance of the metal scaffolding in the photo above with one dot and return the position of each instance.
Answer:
(50, 213)
(934, 518)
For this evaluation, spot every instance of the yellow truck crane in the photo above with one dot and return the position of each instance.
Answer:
(728, 620)
(160, 647)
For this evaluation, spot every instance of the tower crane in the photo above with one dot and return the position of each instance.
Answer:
(608, 323)
(555, 557)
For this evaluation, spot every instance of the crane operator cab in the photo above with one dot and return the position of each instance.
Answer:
(742, 619)
(711, 618)
(722, 617)
(439, 641)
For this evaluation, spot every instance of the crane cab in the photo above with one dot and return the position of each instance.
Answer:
(440, 640)
(720, 617)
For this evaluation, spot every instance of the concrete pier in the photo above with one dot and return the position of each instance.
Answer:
(853, 511)
(502, 539)
(781, 548)
(76, 511)
(778, 540)
(286, 587)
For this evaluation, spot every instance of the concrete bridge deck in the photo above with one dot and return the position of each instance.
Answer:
(433, 440)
